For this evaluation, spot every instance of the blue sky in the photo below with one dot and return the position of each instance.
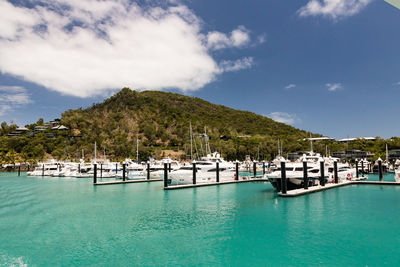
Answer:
(328, 66)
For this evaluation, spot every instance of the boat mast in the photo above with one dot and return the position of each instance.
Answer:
(191, 141)
(137, 149)
(387, 155)
(83, 155)
(208, 150)
(311, 146)
(201, 146)
(279, 150)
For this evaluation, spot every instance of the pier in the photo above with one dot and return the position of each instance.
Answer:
(314, 189)
(319, 188)
(252, 180)
(127, 182)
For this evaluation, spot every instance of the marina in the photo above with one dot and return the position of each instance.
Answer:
(199, 133)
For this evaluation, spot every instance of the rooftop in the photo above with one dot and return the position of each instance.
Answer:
(355, 138)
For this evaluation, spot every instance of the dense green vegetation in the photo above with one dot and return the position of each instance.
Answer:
(161, 122)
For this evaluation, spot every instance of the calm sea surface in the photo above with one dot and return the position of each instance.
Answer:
(68, 222)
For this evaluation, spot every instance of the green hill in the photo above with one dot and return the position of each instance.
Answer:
(161, 121)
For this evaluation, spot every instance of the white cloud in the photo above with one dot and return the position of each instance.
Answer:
(229, 65)
(398, 83)
(4, 109)
(333, 9)
(12, 97)
(238, 38)
(290, 86)
(84, 48)
(332, 87)
(261, 39)
(284, 117)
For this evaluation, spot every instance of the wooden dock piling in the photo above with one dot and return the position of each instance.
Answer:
(194, 172)
(95, 173)
(165, 174)
(322, 172)
(217, 172)
(335, 172)
(283, 177)
(356, 168)
(305, 174)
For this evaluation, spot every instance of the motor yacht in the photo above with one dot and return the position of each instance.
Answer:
(206, 171)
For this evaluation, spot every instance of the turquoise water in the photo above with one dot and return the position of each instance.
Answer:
(68, 222)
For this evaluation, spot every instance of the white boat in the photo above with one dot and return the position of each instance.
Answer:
(295, 175)
(44, 169)
(135, 170)
(85, 171)
(185, 175)
(157, 167)
(206, 169)
(397, 175)
(69, 170)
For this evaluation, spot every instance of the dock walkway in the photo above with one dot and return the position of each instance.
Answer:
(252, 180)
(128, 182)
(319, 188)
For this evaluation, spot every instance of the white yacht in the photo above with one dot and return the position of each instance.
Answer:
(133, 170)
(85, 171)
(397, 174)
(206, 169)
(69, 170)
(44, 169)
(295, 176)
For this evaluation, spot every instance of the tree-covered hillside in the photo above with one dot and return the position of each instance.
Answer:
(160, 121)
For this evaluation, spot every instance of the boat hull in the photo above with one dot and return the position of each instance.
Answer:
(292, 183)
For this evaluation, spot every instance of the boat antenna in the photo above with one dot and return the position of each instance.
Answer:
(311, 146)
(83, 154)
(95, 152)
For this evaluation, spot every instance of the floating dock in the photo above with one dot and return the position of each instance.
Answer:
(319, 188)
(174, 187)
(127, 182)
(376, 182)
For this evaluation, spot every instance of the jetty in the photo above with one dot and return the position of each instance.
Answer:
(128, 182)
(251, 180)
(319, 188)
